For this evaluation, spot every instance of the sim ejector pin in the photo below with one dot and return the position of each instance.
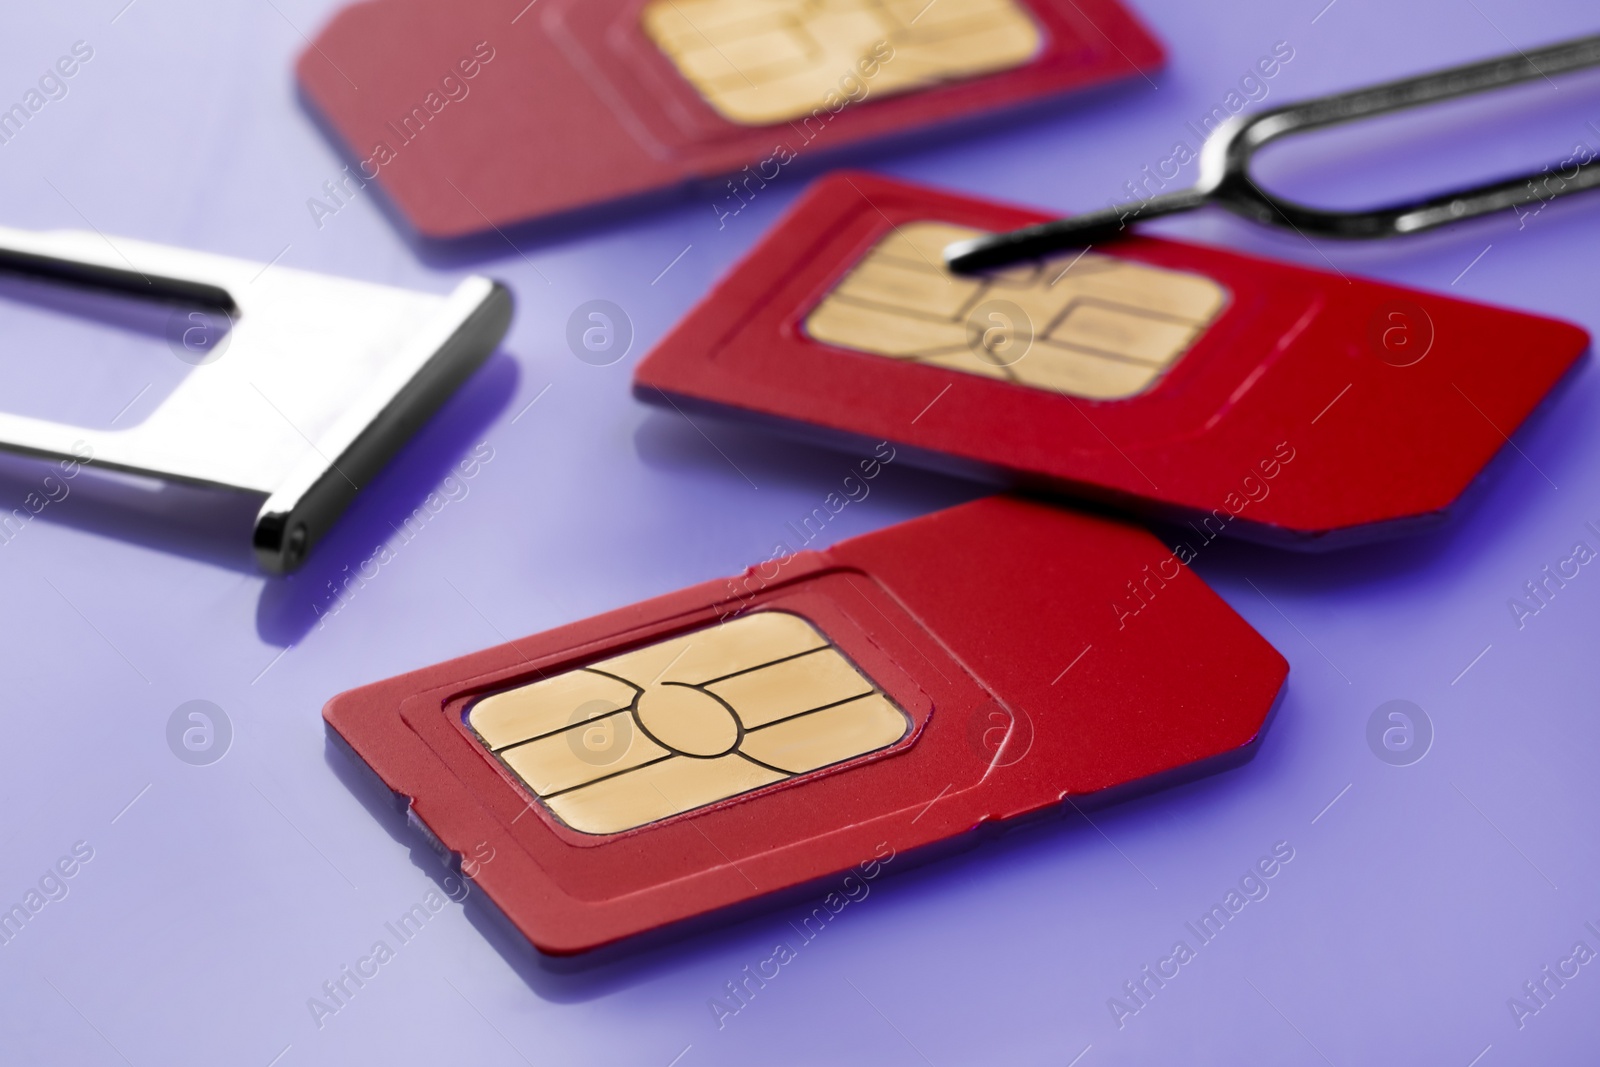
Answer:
(322, 379)
(1225, 168)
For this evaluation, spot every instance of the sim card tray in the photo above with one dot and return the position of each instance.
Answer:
(318, 381)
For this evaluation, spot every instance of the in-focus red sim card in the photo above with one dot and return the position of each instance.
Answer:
(1236, 394)
(751, 736)
(481, 113)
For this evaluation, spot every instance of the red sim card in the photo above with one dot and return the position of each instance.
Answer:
(481, 113)
(1239, 395)
(754, 735)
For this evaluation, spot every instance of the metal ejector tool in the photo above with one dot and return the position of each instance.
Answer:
(310, 386)
(1225, 168)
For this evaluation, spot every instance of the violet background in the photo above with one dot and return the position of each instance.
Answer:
(225, 895)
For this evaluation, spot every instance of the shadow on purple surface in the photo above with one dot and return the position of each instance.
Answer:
(670, 444)
(290, 606)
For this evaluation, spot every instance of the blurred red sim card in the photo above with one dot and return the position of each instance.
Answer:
(751, 736)
(1238, 395)
(481, 113)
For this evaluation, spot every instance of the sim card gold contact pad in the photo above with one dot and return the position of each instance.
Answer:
(1098, 327)
(686, 722)
(762, 63)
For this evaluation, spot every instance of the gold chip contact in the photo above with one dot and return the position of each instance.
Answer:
(1098, 327)
(686, 722)
(769, 62)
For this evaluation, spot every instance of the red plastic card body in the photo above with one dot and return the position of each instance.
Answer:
(570, 104)
(991, 626)
(1312, 410)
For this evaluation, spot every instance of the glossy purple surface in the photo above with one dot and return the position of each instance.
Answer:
(220, 898)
